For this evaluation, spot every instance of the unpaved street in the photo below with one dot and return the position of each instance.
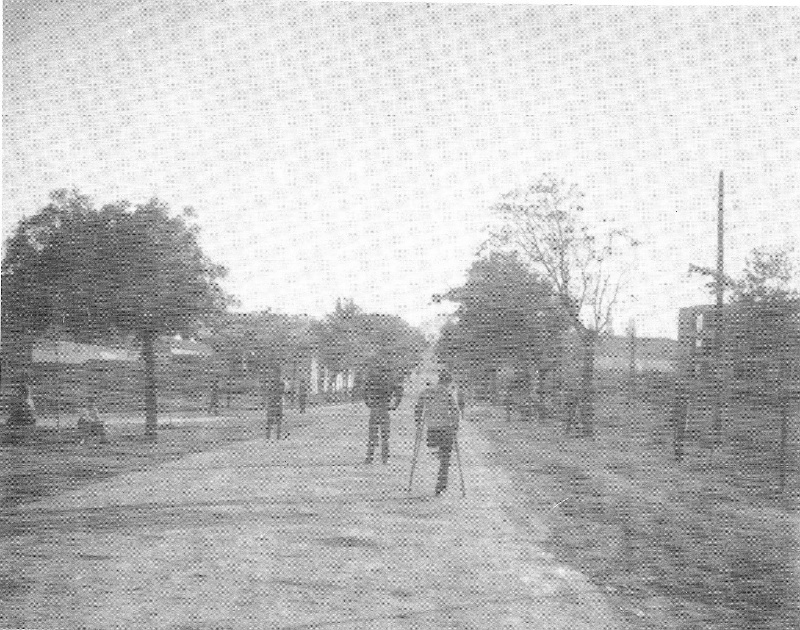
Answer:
(295, 534)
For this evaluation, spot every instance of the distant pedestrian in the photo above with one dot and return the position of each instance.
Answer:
(382, 394)
(302, 396)
(213, 403)
(438, 411)
(21, 411)
(21, 415)
(274, 386)
(679, 415)
(90, 426)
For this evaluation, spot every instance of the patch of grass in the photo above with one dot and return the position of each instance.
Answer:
(48, 461)
(676, 545)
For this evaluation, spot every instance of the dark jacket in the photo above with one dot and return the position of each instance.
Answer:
(380, 388)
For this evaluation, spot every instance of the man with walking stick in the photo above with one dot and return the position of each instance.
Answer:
(437, 410)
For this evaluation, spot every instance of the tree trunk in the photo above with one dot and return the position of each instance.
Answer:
(17, 358)
(680, 413)
(150, 404)
(586, 408)
(541, 385)
(527, 404)
(784, 411)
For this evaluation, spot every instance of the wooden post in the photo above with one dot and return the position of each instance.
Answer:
(784, 410)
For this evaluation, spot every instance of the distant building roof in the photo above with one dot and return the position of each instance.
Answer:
(69, 352)
(189, 347)
(49, 351)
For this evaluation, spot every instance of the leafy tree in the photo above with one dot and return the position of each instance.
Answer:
(392, 337)
(767, 277)
(507, 316)
(122, 268)
(770, 306)
(341, 338)
(43, 269)
(348, 338)
(258, 340)
(771, 314)
(543, 223)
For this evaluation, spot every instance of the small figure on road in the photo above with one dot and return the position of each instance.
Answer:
(21, 410)
(680, 411)
(274, 387)
(302, 396)
(382, 394)
(213, 402)
(21, 415)
(89, 423)
(437, 409)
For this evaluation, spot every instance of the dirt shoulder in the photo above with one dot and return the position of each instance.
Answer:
(52, 461)
(669, 548)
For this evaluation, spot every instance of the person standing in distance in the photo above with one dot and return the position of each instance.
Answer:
(382, 394)
(274, 395)
(437, 408)
(302, 396)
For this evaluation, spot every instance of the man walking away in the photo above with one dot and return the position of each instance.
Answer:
(274, 400)
(438, 410)
(380, 390)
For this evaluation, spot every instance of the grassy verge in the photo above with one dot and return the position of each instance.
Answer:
(51, 461)
(686, 545)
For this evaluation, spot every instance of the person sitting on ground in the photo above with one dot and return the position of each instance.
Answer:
(437, 409)
(89, 424)
(21, 411)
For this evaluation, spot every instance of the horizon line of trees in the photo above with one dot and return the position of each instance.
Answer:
(138, 271)
(543, 272)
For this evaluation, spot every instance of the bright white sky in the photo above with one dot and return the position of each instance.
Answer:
(342, 150)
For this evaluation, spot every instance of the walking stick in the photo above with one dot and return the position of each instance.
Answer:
(460, 472)
(417, 441)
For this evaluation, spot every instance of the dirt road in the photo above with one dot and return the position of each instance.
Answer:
(294, 534)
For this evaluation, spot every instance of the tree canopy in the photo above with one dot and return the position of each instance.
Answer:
(349, 338)
(261, 339)
(134, 269)
(767, 277)
(506, 314)
(129, 268)
(544, 225)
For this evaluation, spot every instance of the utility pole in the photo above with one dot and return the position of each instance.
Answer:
(719, 368)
